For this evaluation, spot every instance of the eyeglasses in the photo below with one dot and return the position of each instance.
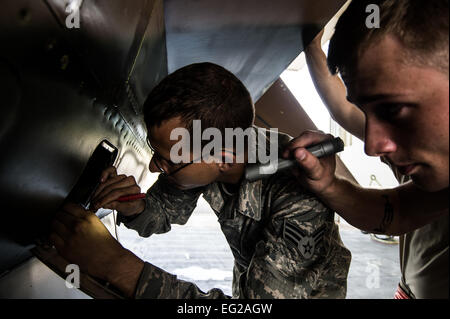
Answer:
(157, 158)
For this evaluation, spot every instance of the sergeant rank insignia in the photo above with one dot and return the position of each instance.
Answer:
(300, 240)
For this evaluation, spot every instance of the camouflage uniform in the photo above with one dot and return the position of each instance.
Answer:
(284, 240)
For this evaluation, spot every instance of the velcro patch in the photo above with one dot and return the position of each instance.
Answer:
(304, 243)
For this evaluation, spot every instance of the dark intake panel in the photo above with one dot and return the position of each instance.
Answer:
(63, 92)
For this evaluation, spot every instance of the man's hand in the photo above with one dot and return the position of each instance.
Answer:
(113, 186)
(316, 175)
(81, 238)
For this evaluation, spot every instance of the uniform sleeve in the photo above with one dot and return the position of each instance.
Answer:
(164, 205)
(301, 255)
(155, 283)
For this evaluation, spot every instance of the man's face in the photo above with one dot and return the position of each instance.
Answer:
(191, 176)
(407, 112)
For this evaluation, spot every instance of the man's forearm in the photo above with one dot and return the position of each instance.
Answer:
(124, 273)
(390, 211)
(333, 93)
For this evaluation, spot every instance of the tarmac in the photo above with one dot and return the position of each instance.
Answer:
(198, 252)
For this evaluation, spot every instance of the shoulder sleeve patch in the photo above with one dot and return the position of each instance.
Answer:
(303, 242)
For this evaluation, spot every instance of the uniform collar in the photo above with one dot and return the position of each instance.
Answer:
(250, 193)
(249, 198)
(249, 203)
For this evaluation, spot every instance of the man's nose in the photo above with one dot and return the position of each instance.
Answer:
(152, 166)
(378, 139)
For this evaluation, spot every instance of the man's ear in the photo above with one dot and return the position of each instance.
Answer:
(228, 160)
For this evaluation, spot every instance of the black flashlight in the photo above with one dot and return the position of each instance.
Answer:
(259, 171)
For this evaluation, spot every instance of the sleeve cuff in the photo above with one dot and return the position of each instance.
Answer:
(154, 283)
(130, 220)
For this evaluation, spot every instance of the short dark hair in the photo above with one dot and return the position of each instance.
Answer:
(201, 91)
(420, 25)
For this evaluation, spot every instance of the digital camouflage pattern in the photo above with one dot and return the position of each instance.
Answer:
(284, 240)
